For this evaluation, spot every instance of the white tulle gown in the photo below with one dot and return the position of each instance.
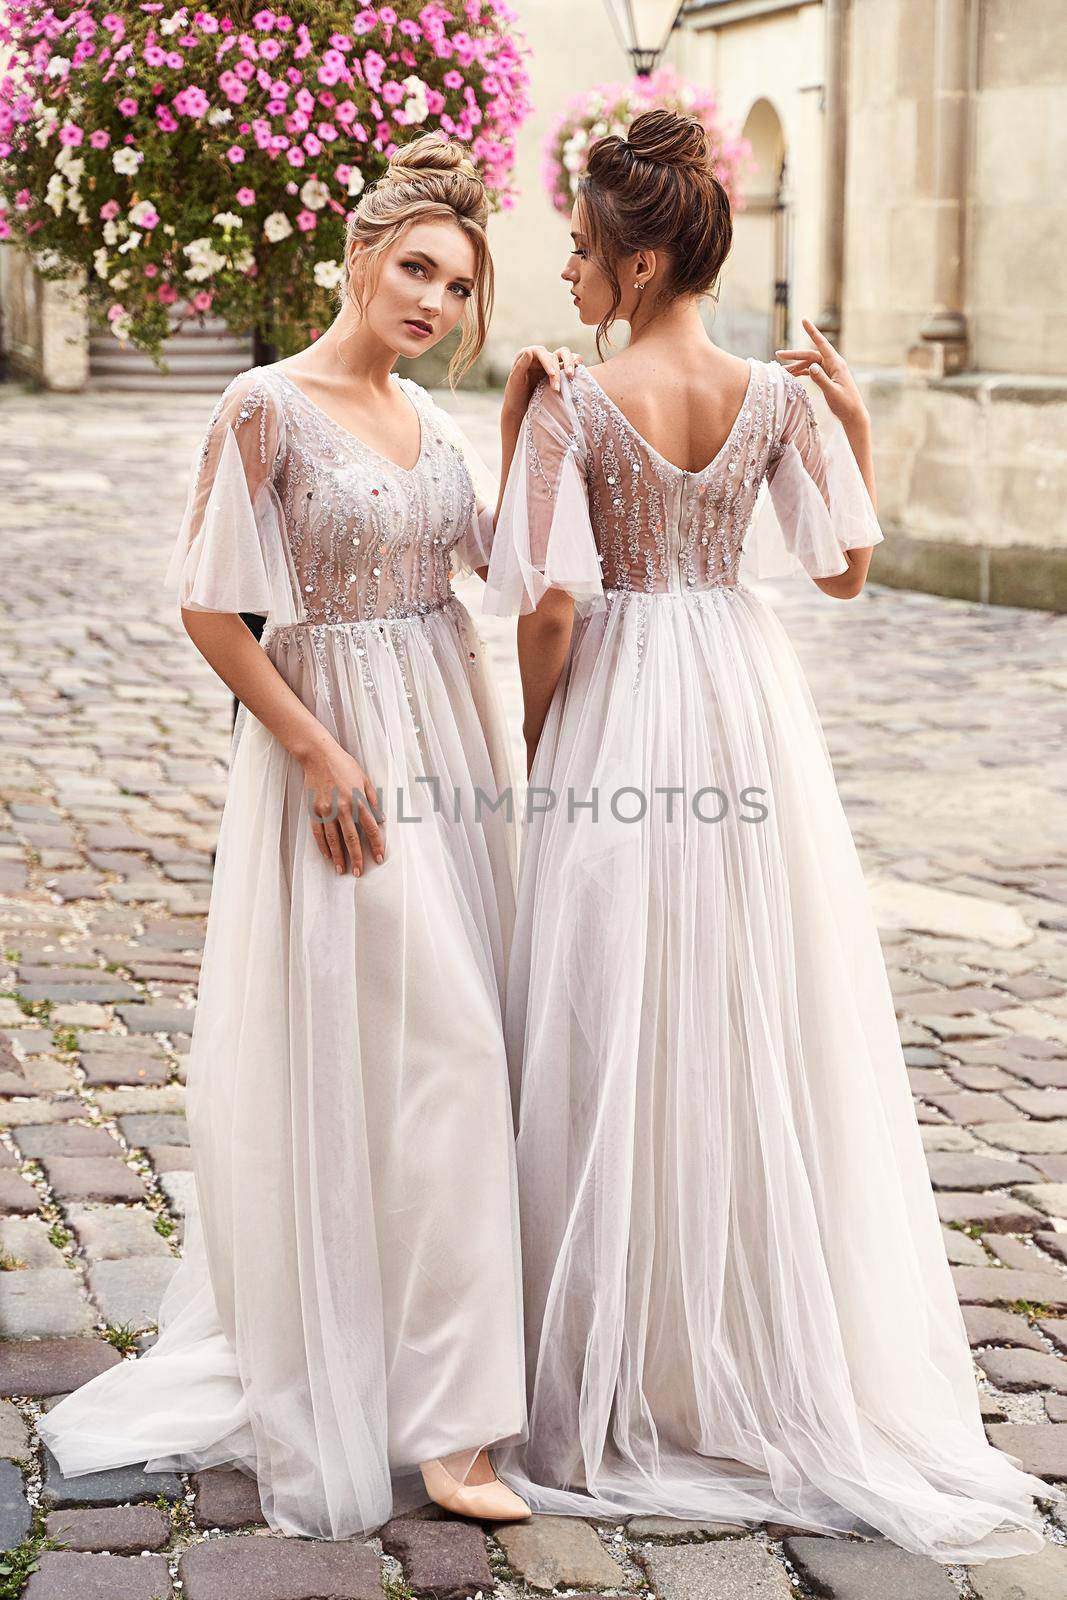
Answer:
(349, 1300)
(738, 1304)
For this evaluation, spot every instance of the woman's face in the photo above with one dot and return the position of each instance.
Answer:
(425, 279)
(590, 288)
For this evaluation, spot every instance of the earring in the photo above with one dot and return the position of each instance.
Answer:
(639, 286)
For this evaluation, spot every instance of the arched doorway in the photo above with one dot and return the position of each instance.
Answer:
(754, 318)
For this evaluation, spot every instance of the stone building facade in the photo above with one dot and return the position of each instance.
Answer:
(922, 220)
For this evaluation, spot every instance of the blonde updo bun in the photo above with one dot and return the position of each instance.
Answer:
(432, 179)
(657, 190)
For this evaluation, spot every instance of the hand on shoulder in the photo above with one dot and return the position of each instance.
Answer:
(531, 364)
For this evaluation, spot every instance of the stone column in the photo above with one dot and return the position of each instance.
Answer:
(944, 342)
(833, 163)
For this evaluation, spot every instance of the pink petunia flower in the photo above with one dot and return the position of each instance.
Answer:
(306, 221)
(246, 196)
(109, 211)
(202, 300)
(235, 154)
(166, 294)
(100, 138)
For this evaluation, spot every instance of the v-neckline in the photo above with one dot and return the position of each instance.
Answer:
(350, 434)
(685, 472)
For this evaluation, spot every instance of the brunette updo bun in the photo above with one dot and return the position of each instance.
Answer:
(431, 179)
(657, 190)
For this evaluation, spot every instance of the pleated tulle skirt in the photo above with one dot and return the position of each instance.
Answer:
(349, 1300)
(737, 1299)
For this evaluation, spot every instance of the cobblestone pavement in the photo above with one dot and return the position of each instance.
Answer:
(946, 724)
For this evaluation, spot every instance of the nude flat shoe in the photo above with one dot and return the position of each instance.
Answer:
(485, 1502)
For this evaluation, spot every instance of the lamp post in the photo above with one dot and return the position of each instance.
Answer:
(643, 28)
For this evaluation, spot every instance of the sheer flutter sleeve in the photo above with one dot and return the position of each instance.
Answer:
(544, 538)
(475, 543)
(230, 553)
(813, 504)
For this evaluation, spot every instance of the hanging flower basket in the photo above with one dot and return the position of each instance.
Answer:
(208, 155)
(611, 107)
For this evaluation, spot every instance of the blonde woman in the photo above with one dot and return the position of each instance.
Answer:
(346, 1322)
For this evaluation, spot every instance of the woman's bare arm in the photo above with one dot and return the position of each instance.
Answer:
(544, 638)
(331, 775)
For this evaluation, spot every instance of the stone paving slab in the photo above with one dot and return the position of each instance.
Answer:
(111, 1488)
(43, 1302)
(733, 1570)
(1042, 1448)
(93, 1178)
(116, 1232)
(129, 1292)
(1039, 1577)
(226, 1498)
(849, 1570)
(15, 1514)
(17, 1196)
(118, 1530)
(26, 1242)
(40, 1367)
(548, 1552)
(64, 1575)
(16, 1443)
(443, 1558)
(270, 1568)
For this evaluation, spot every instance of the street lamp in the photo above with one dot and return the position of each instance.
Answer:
(643, 28)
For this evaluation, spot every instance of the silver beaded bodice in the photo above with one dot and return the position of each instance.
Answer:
(364, 537)
(660, 528)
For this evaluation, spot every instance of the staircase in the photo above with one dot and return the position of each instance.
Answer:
(201, 358)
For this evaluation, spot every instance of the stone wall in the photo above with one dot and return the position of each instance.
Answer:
(44, 325)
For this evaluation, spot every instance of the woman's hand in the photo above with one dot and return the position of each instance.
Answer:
(830, 371)
(529, 367)
(338, 791)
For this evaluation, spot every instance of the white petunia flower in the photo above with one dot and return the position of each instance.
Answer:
(205, 259)
(328, 274)
(141, 212)
(121, 327)
(244, 261)
(126, 161)
(218, 115)
(356, 182)
(111, 232)
(120, 279)
(70, 165)
(314, 194)
(131, 243)
(278, 227)
(101, 263)
(416, 108)
(55, 194)
(227, 219)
